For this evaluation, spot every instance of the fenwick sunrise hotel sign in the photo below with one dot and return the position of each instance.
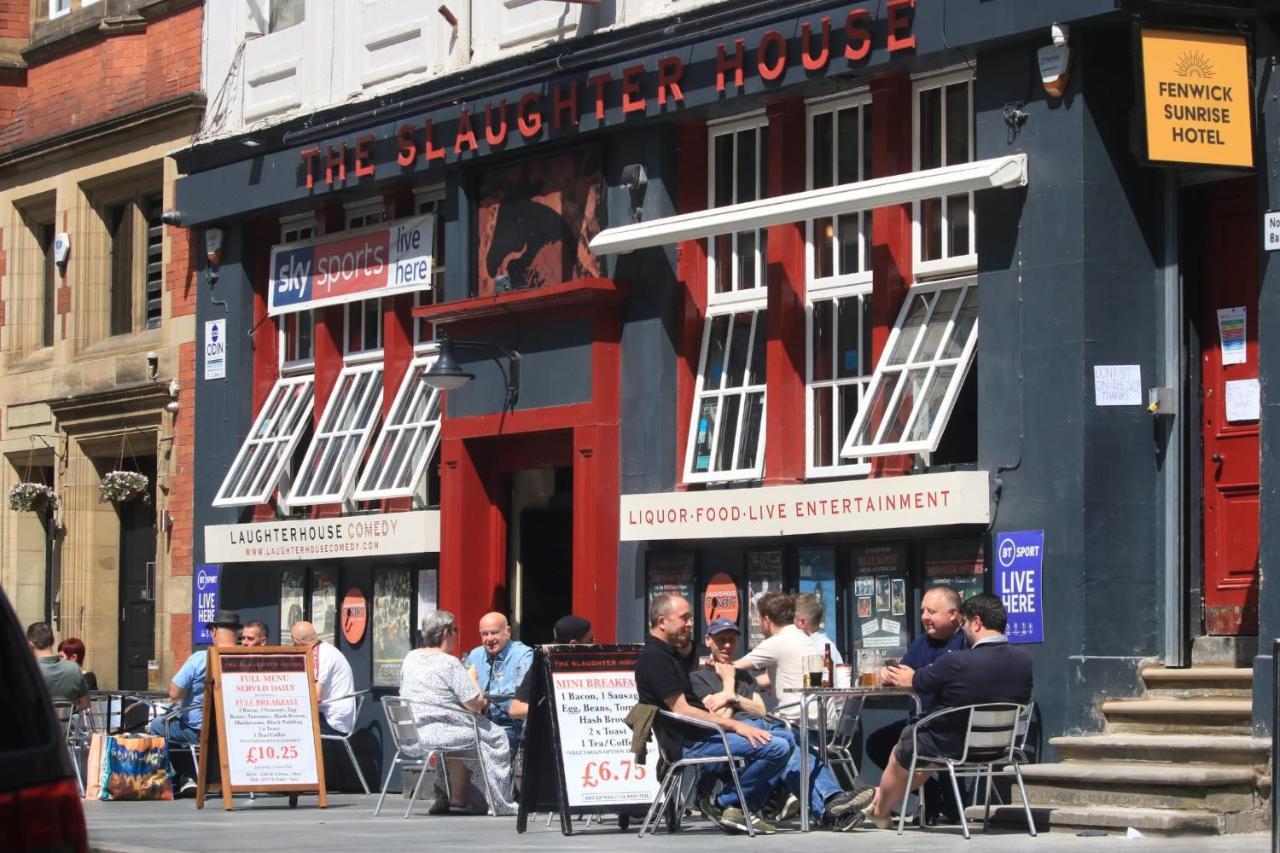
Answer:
(386, 259)
(693, 75)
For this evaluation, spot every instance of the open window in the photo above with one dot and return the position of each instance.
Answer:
(726, 441)
(921, 372)
(397, 466)
(341, 438)
(266, 450)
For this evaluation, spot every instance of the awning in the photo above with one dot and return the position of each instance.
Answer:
(997, 173)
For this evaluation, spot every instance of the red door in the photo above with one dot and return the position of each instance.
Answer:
(1229, 406)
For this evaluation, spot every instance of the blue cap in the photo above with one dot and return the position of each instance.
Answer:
(722, 624)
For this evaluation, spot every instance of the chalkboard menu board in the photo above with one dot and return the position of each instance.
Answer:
(880, 577)
(578, 756)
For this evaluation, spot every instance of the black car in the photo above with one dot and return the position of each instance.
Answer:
(39, 800)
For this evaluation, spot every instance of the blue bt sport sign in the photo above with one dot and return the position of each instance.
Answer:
(1019, 560)
(205, 595)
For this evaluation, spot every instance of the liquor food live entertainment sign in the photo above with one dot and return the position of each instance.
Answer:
(395, 258)
(1197, 97)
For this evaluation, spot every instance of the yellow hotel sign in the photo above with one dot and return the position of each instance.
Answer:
(1197, 98)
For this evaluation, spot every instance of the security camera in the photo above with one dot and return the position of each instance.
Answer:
(633, 177)
(1059, 33)
(153, 365)
(172, 217)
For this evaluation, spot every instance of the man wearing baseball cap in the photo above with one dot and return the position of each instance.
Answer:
(568, 630)
(728, 691)
(182, 727)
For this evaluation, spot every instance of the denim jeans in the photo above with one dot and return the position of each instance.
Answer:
(822, 782)
(177, 731)
(764, 768)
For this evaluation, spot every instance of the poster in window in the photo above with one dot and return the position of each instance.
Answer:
(293, 601)
(669, 573)
(535, 219)
(764, 575)
(874, 570)
(428, 598)
(818, 576)
(720, 600)
(958, 563)
(324, 603)
(392, 597)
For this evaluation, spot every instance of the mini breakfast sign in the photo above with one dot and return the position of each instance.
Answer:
(1196, 93)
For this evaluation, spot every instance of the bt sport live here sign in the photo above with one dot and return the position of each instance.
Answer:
(351, 266)
(1019, 564)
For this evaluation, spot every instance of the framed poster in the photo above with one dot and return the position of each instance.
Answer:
(535, 219)
(428, 599)
(764, 575)
(720, 600)
(818, 576)
(957, 563)
(324, 603)
(293, 600)
(392, 597)
(669, 573)
(881, 583)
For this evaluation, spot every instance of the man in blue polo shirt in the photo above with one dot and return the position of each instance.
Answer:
(498, 665)
(940, 618)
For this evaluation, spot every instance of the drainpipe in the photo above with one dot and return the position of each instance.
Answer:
(1171, 428)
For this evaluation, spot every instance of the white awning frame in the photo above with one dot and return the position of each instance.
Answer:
(996, 173)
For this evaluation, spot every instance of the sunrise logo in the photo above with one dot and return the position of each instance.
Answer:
(1194, 64)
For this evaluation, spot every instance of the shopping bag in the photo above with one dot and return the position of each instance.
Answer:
(136, 768)
(93, 765)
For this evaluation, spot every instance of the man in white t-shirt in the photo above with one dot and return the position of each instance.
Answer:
(809, 614)
(334, 681)
(781, 654)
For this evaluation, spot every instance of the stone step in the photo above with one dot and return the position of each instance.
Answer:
(1158, 822)
(1205, 681)
(1166, 714)
(1171, 748)
(1157, 785)
(1223, 651)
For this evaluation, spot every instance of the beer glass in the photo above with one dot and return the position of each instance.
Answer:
(813, 670)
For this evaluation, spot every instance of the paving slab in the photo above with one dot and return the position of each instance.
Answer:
(267, 823)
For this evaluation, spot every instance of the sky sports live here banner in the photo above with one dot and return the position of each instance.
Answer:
(352, 266)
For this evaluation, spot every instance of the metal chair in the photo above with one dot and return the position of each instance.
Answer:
(840, 737)
(412, 752)
(1024, 729)
(677, 764)
(172, 747)
(360, 696)
(66, 714)
(991, 736)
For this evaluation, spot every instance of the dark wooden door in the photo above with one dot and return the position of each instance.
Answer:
(137, 590)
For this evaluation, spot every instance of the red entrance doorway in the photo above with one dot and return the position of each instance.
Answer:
(1229, 405)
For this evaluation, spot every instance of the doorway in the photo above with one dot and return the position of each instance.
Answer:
(541, 551)
(1229, 405)
(138, 582)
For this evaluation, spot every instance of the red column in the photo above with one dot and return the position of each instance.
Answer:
(596, 490)
(784, 354)
(691, 271)
(473, 536)
(890, 226)
(397, 353)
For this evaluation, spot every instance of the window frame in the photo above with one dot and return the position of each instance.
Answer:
(336, 411)
(395, 430)
(365, 213)
(833, 105)
(758, 122)
(962, 363)
(839, 468)
(55, 12)
(295, 229)
(364, 353)
(743, 392)
(281, 453)
(948, 265)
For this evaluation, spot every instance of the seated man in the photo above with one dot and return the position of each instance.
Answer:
(781, 654)
(255, 633)
(334, 681)
(498, 665)
(809, 616)
(570, 630)
(991, 671)
(662, 680)
(187, 687)
(62, 678)
(729, 692)
(940, 618)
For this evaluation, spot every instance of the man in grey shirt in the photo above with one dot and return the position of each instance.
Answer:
(62, 677)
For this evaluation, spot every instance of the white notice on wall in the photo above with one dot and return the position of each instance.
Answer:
(267, 711)
(1244, 401)
(1117, 385)
(595, 743)
(215, 349)
(1271, 230)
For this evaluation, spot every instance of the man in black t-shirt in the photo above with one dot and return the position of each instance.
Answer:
(662, 679)
(568, 630)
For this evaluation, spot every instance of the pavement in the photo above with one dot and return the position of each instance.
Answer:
(267, 823)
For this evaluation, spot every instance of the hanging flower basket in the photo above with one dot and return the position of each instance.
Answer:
(32, 497)
(121, 486)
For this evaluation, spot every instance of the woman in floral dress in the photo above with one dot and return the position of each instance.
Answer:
(448, 705)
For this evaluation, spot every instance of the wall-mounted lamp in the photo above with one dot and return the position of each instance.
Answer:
(213, 245)
(447, 375)
(634, 180)
(1055, 61)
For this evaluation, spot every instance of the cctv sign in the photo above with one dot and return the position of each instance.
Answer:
(215, 349)
(380, 261)
(1018, 582)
